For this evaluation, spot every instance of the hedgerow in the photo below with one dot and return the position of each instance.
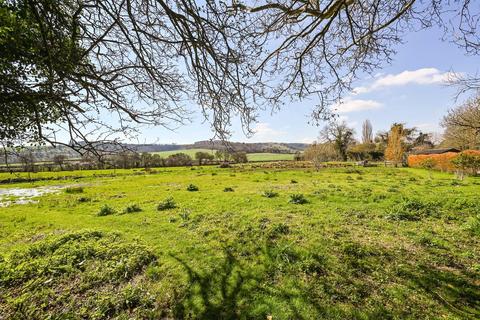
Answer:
(443, 162)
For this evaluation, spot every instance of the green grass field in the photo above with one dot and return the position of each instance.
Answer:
(251, 156)
(269, 156)
(190, 152)
(341, 243)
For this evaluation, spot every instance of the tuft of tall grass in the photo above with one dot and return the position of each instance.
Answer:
(167, 204)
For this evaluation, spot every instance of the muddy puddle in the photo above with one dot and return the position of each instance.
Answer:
(10, 196)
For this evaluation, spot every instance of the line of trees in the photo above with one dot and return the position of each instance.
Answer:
(337, 140)
(337, 143)
(126, 160)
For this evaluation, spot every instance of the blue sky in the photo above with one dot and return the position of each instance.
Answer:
(411, 90)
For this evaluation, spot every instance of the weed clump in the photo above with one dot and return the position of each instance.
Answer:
(185, 215)
(106, 210)
(473, 225)
(297, 198)
(132, 208)
(278, 230)
(360, 258)
(411, 210)
(73, 190)
(167, 204)
(321, 194)
(269, 194)
(86, 265)
(84, 199)
(192, 187)
(392, 189)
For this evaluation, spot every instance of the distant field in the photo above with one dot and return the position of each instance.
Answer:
(251, 156)
(190, 152)
(269, 156)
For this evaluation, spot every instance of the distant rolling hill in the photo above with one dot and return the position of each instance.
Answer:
(262, 151)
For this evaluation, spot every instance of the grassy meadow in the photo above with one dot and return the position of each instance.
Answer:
(246, 242)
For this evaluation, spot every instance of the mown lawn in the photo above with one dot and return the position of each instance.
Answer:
(369, 243)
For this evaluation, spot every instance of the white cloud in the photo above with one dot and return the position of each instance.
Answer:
(422, 76)
(308, 140)
(264, 132)
(352, 105)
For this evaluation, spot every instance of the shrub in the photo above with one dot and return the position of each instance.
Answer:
(228, 189)
(428, 163)
(179, 159)
(269, 194)
(166, 204)
(106, 210)
(132, 208)
(74, 190)
(240, 157)
(467, 162)
(297, 198)
(192, 187)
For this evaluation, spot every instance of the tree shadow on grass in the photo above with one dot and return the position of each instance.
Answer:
(231, 290)
(234, 288)
(217, 294)
(458, 291)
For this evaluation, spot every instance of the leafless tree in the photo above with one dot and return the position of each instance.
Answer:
(319, 153)
(367, 132)
(340, 135)
(466, 116)
(140, 62)
(59, 160)
(462, 125)
(27, 159)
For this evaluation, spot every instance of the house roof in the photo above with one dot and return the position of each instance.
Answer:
(436, 151)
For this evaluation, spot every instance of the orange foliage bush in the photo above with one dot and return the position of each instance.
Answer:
(442, 161)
